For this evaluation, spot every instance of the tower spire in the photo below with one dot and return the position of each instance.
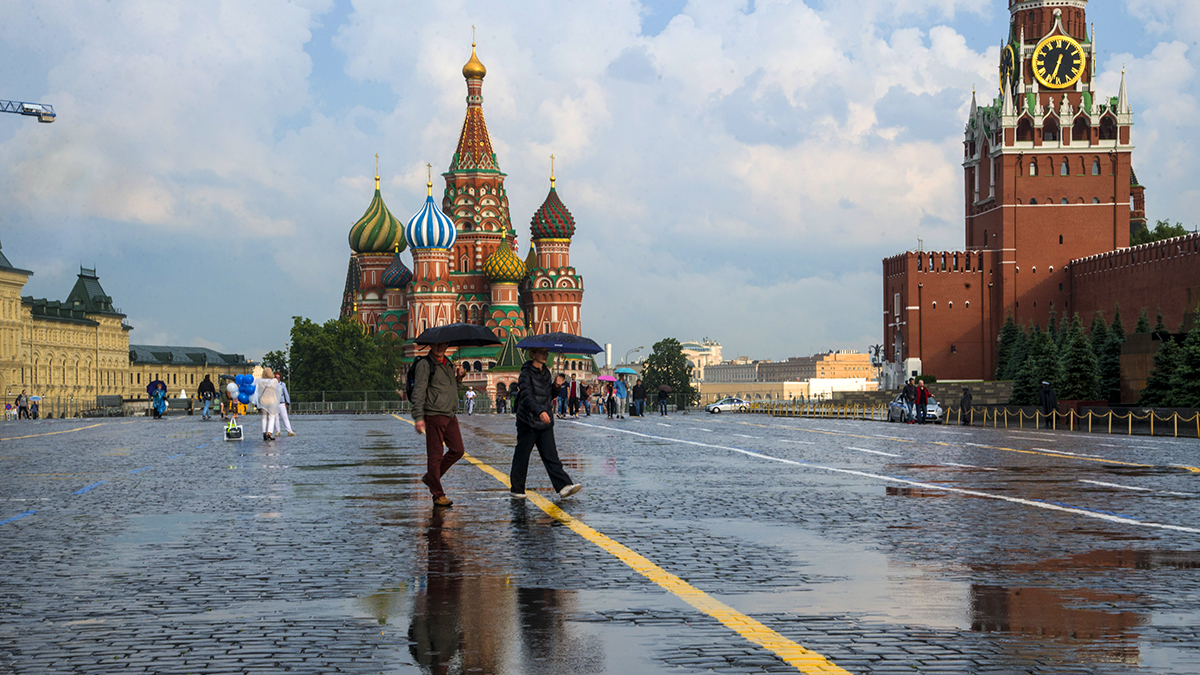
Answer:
(429, 180)
(551, 172)
(377, 171)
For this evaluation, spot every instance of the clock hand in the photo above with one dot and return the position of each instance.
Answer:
(1055, 75)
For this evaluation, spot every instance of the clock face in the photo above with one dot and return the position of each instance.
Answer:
(1058, 62)
(1008, 63)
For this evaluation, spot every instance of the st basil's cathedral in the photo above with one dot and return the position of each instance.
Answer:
(465, 265)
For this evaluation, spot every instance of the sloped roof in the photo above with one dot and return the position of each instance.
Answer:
(89, 296)
(162, 355)
(510, 358)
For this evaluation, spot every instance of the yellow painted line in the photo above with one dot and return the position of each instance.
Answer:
(1043, 453)
(51, 433)
(803, 659)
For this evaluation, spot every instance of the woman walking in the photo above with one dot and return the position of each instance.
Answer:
(159, 401)
(267, 389)
(536, 400)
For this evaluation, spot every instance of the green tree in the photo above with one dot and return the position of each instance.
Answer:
(1143, 322)
(667, 365)
(1158, 391)
(1052, 326)
(1009, 333)
(1185, 380)
(1079, 367)
(339, 358)
(1041, 363)
(1098, 334)
(1160, 326)
(1163, 229)
(277, 361)
(1110, 360)
(1019, 354)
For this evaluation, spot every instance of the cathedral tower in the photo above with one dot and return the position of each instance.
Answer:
(476, 200)
(504, 271)
(374, 240)
(555, 290)
(431, 298)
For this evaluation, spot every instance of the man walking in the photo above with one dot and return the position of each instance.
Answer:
(964, 406)
(535, 426)
(470, 396)
(639, 398)
(207, 392)
(434, 408)
(285, 399)
(22, 406)
(1049, 403)
(622, 396)
(922, 401)
(573, 397)
(909, 394)
(662, 402)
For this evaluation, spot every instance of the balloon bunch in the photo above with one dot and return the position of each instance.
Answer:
(242, 388)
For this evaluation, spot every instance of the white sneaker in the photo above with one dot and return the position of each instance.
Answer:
(517, 495)
(569, 490)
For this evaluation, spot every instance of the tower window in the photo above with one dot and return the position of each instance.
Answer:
(1060, 239)
(1066, 169)
(1033, 202)
(1095, 167)
(1033, 167)
(1064, 200)
(1095, 200)
(1060, 287)
(1108, 129)
(1050, 132)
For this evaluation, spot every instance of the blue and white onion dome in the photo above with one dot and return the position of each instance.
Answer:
(430, 228)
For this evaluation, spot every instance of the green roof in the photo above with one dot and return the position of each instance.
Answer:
(510, 358)
(476, 352)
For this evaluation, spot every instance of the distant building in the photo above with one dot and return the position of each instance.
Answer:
(700, 355)
(731, 372)
(180, 368)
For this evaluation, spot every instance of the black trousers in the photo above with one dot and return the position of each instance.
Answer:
(527, 437)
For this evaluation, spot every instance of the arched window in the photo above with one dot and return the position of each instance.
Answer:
(1033, 167)
(1095, 200)
(1096, 167)
(1066, 168)
(1082, 130)
(464, 264)
(1033, 202)
(1064, 201)
(1108, 129)
(462, 313)
(1025, 130)
(1050, 131)
(478, 367)
(474, 313)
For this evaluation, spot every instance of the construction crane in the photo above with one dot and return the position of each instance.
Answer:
(43, 111)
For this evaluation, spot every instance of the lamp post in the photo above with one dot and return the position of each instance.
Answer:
(632, 351)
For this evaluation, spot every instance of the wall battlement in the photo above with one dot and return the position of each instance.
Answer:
(1163, 251)
(934, 262)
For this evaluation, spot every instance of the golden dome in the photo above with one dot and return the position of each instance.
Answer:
(474, 69)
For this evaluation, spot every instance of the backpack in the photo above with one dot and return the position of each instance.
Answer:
(411, 383)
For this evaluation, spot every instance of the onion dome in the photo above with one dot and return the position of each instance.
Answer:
(552, 220)
(531, 260)
(504, 266)
(397, 275)
(474, 69)
(377, 231)
(430, 228)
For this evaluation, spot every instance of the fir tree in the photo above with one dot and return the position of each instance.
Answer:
(1110, 360)
(1008, 341)
(1185, 380)
(1079, 380)
(1143, 322)
(1161, 325)
(1098, 334)
(1019, 354)
(1041, 363)
(1158, 387)
(1052, 325)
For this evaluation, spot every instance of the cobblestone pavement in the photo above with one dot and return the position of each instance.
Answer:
(135, 546)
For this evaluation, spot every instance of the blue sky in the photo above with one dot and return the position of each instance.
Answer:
(737, 169)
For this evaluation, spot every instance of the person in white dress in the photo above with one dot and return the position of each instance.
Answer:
(266, 393)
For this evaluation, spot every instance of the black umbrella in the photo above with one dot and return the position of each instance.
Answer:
(154, 385)
(459, 335)
(561, 343)
(665, 387)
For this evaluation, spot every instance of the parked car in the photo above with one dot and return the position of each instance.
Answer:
(730, 404)
(933, 411)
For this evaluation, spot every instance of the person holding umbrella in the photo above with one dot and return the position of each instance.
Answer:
(434, 395)
(535, 426)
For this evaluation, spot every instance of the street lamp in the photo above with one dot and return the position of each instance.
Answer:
(632, 351)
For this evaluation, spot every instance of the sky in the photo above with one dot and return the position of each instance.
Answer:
(737, 170)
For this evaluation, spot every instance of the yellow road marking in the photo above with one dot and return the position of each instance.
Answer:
(51, 433)
(985, 447)
(803, 659)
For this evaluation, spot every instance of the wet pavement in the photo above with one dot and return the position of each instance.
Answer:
(152, 546)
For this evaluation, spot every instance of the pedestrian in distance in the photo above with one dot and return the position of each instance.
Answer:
(662, 402)
(639, 398)
(535, 426)
(470, 396)
(208, 393)
(501, 399)
(560, 386)
(585, 395)
(922, 401)
(22, 405)
(621, 392)
(513, 389)
(434, 410)
(266, 392)
(909, 396)
(1049, 403)
(964, 404)
(609, 403)
(285, 400)
(158, 401)
(573, 397)
(33, 409)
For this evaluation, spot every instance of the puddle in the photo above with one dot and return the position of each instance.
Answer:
(915, 492)
(157, 529)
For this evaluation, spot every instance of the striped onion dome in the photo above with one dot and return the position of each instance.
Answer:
(504, 266)
(552, 220)
(377, 231)
(397, 275)
(430, 228)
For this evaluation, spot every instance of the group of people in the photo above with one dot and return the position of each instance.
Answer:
(271, 398)
(915, 396)
(435, 405)
(27, 408)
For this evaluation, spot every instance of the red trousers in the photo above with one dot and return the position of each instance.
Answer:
(441, 430)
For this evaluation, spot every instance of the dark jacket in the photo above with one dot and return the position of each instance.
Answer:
(965, 402)
(536, 395)
(436, 395)
(662, 395)
(910, 393)
(639, 392)
(206, 387)
(1048, 400)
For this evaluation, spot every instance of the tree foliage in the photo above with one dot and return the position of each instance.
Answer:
(1110, 360)
(340, 357)
(1008, 342)
(1079, 367)
(1185, 380)
(668, 365)
(1158, 386)
(277, 362)
(1143, 322)
(1041, 363)
(1163, 229)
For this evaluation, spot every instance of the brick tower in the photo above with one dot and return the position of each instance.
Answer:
(504, 271)
(476, 200)
(431, 297)
(555, 290)
(376, 240)
(1047, 179)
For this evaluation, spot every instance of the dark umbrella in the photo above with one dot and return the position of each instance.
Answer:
(665, 387)
(459, 335)
(561, 343)
(154, 385)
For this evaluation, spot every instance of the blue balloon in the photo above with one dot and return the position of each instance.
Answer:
(238, 379)
(243, 398)
(250, 388)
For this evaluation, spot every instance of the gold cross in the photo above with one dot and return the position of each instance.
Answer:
(472, 35)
